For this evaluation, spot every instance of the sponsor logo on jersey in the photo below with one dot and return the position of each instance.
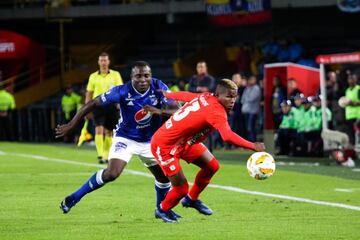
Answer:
(142, 117)
(119, 146)
(203, 101)
(130, 103)
(198, 135)
(103, 98)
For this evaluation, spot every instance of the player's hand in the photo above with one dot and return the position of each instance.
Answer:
(202, 89)
(259, 147)
(152, 109)
(62, 130)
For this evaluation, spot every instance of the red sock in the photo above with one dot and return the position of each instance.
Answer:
(173, 196)
(203, 178)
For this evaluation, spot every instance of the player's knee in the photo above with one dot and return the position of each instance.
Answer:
(159, 174)
(182, 189)
(111, 174)
(213, 166)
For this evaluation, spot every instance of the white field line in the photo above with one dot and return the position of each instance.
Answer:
(227, 188)
(313, 164)
(44, 174)
(347, 189)
(356, 169)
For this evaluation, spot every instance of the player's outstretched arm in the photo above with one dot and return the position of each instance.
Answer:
(180, 96)
(62, 130)
(170, 110)
(229, 136)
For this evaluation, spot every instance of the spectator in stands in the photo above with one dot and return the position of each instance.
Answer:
(352, 110)
(332, 96)
(284, 52)
(295, 50)
(243, 59)
(251, 106)
(183, 85)
(305, 126)
(239, 118)
(314, 134)
(202, 81)
(256, 63)
(70, 103)
(292, 89)
(287, 129)
(271, 50)
(260, 120)
(173, 86)
(316, 101)
(7, 105)
(277, 97)
(298, 111)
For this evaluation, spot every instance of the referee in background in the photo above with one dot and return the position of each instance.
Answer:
(105, 118)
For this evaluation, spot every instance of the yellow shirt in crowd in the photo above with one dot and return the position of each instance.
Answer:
(7, 101)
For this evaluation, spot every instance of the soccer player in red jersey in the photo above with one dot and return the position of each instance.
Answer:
(181, 136)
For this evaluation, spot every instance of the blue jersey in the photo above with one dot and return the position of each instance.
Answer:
(134, 123)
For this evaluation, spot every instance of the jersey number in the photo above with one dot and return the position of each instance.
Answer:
(183, 112)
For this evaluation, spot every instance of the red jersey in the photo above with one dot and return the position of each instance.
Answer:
(194, 122)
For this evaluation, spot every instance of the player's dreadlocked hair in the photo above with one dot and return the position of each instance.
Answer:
(227, 83)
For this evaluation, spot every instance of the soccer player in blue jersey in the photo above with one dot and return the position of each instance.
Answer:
(133, 133)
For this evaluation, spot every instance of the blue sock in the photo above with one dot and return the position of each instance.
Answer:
(92, 184)
(161, 190)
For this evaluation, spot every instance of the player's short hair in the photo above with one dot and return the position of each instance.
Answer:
(140, 64)
(227, 84)
(104, 54)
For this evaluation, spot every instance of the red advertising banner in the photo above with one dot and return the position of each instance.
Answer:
(19, 54)
(338, 58)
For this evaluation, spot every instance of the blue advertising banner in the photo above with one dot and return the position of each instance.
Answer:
(350, 6)
(238, 12)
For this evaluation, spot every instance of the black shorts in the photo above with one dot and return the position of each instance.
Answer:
(106, 116)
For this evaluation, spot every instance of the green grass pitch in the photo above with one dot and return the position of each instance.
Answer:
(34, 179)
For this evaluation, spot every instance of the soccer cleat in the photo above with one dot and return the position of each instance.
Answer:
(101, 160)
(197, 204)
(174, 215)
(165, 216)
(67, 204)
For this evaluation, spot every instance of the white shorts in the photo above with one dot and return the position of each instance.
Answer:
(124, 149)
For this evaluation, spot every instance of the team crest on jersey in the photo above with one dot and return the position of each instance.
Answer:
(142, 117)
(154, 102)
